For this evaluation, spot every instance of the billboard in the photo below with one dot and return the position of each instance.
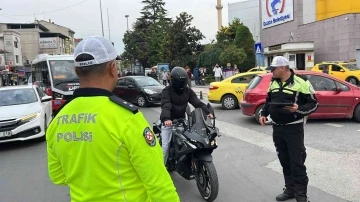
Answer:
(163, 66)
(276, 12)
(48, 42)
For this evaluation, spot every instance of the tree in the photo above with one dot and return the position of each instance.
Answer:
(227, 34)
(210, 57)
(144, 42)
(244, 39)
(182, 42)
(154, 11)
(233, 55)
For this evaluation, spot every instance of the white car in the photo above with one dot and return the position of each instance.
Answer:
(25, 113)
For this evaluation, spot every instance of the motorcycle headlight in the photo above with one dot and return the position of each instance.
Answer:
(30, 117)
(150, 92)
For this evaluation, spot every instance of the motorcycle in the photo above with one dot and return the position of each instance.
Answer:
(191, 146)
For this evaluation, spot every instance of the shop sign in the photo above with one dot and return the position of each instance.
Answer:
(276, 12)
(48, 42)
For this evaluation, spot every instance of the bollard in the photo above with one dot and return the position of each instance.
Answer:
(201, 97)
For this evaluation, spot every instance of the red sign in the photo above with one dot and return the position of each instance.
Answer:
(309, 57)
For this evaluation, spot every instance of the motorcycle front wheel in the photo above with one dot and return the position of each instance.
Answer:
(207, 180)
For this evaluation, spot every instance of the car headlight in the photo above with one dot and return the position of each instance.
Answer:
(150, 92)
(30, 117)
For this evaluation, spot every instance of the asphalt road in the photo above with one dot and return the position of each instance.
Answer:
(246, 163)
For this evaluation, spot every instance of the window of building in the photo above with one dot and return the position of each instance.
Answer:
(15, 44)
(16, 59)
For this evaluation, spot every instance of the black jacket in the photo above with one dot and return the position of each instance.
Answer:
(297, 89)
(173, 105)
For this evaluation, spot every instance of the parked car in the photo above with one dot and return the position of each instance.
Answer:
(230, 91)
(337, 98)
(341, 70)
(25, 113)
(140, 90)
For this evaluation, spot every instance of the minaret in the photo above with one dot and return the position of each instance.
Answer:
(219, 13)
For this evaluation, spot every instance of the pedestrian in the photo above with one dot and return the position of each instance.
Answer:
(217, 72)
(288, 125)
(228, 71)
(196, 75)
(101, 146)
(164, 77)
(188, 71)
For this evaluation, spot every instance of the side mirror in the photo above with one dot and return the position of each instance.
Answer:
(46, 99)
(342, 70)
(130, 86)
(338, 89)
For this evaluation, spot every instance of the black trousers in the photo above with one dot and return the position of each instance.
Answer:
(289, 143)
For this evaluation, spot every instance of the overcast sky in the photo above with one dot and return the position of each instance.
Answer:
(84, 18)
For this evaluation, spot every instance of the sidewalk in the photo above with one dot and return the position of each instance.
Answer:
(197, 89)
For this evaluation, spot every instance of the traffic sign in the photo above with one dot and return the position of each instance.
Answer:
(258, 48)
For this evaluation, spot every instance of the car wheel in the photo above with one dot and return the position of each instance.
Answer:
(257, 113)
(229, 102)
(356, 115)
(352, 80)
(141, 101)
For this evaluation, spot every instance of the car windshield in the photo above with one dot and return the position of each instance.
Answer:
(351, 67)
(147, 81)
(11, 97)
(63, 71)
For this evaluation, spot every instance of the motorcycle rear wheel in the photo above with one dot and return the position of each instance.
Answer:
(207, 180)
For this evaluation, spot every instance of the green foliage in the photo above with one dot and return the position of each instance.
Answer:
(233, 55)
(157, 39)
(235, 45)
(209, 79)
(210, 56)
(245, 40)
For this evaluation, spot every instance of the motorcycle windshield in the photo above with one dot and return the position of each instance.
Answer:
(198, 123)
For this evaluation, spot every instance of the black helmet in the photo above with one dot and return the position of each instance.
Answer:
(179, 78)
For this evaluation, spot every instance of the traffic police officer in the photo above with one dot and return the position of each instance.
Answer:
(101, 146)
(288, 124)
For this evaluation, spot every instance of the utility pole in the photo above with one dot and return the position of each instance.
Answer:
(108, 23)
(219, 8)
(102, 24)
(127, 22)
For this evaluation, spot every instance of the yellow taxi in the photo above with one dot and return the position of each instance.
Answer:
(342, 70)
(231, 91)
(257, 69)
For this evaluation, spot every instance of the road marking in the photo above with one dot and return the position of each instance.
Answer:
(333, 172)
(334, 125)
(358, 130)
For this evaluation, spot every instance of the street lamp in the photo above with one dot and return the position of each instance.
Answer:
(102, 24)
(127, 22)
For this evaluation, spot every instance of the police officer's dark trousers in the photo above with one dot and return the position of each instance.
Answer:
(289, 143)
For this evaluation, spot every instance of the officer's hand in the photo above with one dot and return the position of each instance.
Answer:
(262, 120)
(293, 108)
(211, 116)
(168, 123)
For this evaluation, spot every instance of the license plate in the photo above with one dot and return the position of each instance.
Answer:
(5, 134)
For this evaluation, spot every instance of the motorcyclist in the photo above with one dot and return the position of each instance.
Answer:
(174, 100)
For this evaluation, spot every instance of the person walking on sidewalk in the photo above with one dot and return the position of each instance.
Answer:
(288, 125)
(164, 77)
(217, 72)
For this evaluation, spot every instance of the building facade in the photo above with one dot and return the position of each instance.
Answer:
(305, 31)
(33, 39)
(332, 27)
